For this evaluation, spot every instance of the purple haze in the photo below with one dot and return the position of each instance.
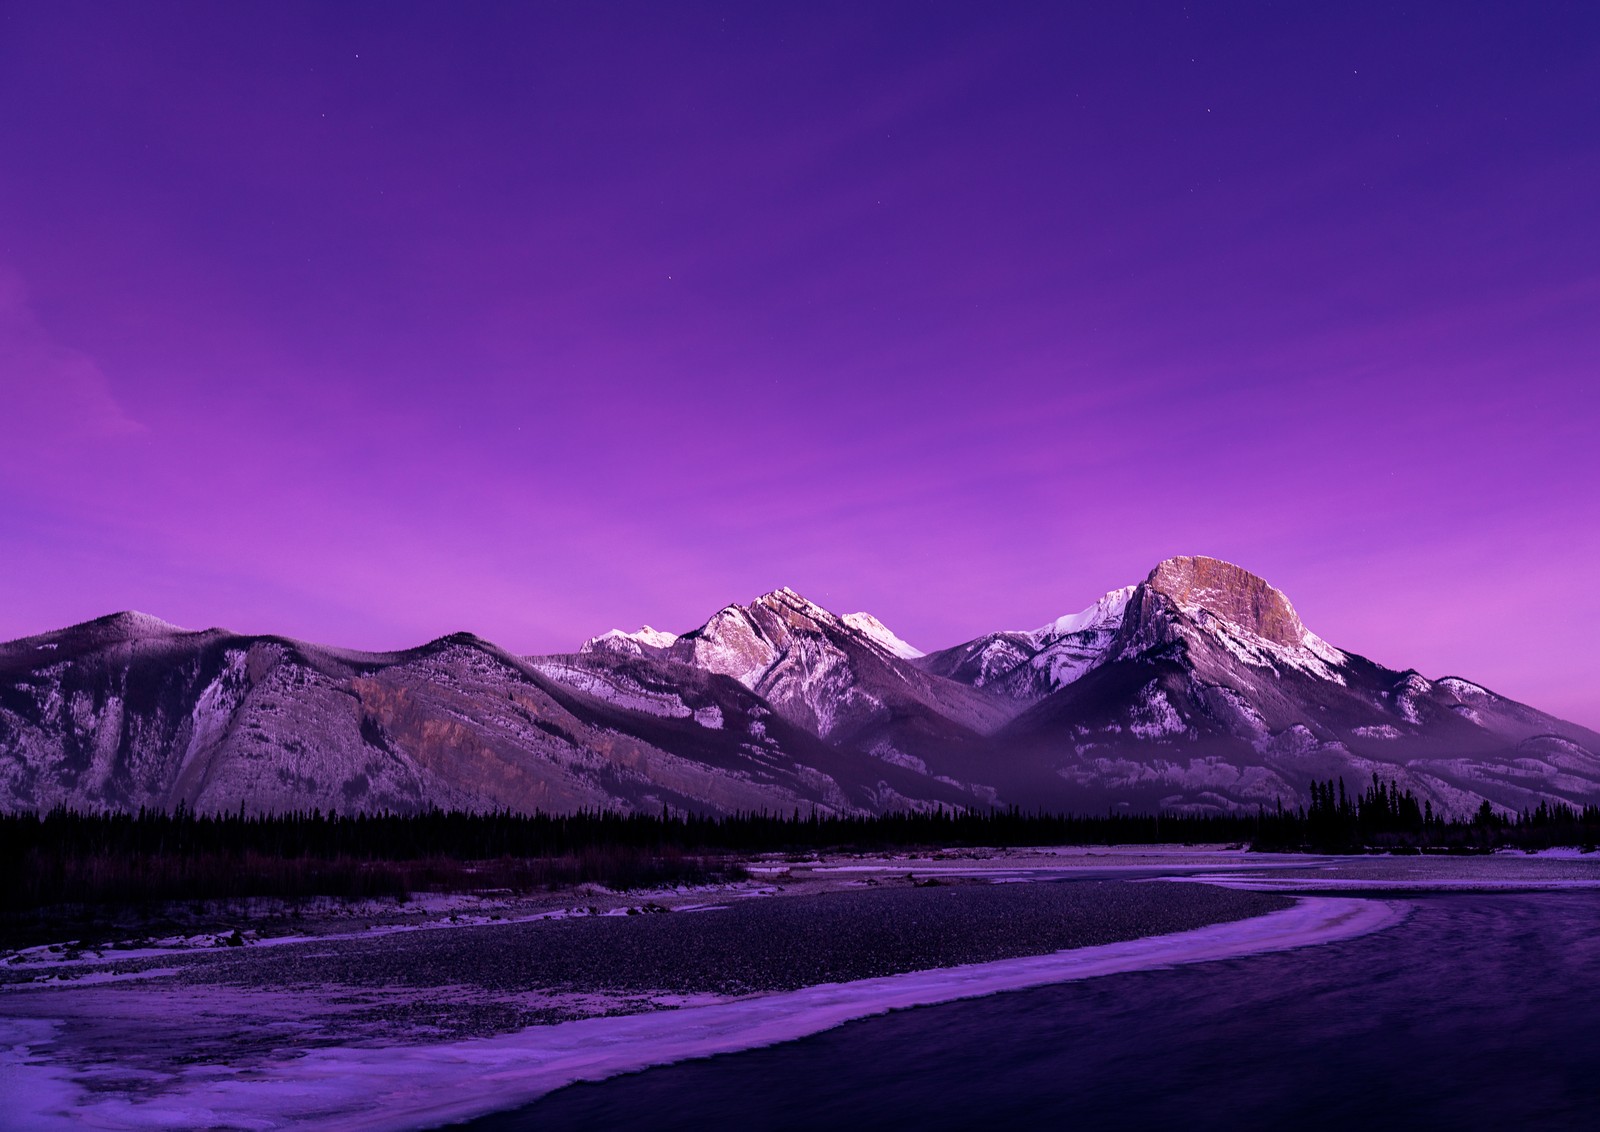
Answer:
(368, 322)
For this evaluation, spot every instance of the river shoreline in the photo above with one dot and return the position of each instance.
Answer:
(806, 946)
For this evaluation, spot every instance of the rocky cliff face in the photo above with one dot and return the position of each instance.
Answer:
(1198, 688)
(1198, 605)
(1211, 588)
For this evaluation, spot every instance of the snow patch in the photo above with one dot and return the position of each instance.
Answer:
(1465, 688)
(889, 753)
(1295, 740)
(1413, 686)
(614, 689)
(1244, 709)
(1154, 716)
(213, 710)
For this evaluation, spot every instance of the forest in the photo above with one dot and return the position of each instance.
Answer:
(68, 857)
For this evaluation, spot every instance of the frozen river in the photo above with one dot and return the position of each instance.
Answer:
(1479, 1011)
(1425, 992)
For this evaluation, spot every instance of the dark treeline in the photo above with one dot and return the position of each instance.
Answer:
(476, 836)
(1385, 817)
(65, 856)
(1336, 818)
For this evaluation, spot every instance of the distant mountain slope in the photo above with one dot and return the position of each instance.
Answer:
(127, 712)
(1198, 688)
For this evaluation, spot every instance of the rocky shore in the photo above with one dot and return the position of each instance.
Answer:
(440, 980)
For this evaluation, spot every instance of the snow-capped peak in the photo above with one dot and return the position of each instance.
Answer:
(659, 638)
(879, 633)
(1198, 585)
(129, 625)
(791, 599)
(1459, 687)
(1105, 613)
(132, 623)
(618, 641)
(135, 618)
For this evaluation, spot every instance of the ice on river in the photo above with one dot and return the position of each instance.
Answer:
(412, 1086)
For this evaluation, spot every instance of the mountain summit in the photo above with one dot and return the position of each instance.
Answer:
(1197, 689)
(1210, 586)
(1205, 604)
(843, 678)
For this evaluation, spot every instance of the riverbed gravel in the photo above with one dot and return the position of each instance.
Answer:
(232, 1005)
(754, 945)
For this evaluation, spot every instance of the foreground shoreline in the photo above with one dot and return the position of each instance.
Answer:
(351, 1050)
(426, 1086)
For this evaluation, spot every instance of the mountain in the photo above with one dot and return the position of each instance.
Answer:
(846, 679)
(1198, 688)
(1210, 693)
(129, 711)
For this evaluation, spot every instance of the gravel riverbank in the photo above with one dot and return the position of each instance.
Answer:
(753, 945)
(236, 1005)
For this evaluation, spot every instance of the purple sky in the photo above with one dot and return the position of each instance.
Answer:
(366, 322)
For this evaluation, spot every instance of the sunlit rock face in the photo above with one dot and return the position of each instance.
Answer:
(1202, 604)
(1210, 586)
(1197, 689)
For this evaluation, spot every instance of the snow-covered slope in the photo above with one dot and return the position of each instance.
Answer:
(843, 679)
(1028, 664)
(873, 629)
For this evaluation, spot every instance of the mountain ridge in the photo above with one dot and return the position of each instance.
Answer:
(1198, 688)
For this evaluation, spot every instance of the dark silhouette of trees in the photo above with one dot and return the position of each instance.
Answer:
(66, 855)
